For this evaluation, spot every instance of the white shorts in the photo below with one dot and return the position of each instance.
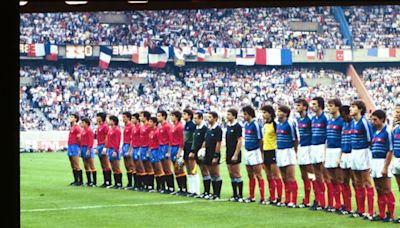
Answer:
(332, 156)
(361, 159)
(285, 157)
(396, 166)
(377, 166)
(253, 157)
(303, 155)
(317, 154)
(345, 162)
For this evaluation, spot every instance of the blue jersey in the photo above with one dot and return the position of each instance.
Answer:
(346, 137)
(304, 126)
(396, 141)
(361, 134)
(334, 132)
(252, 135)
(382, 142)
(318, 129)
(286, 134)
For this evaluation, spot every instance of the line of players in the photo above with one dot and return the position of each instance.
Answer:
(330, 150)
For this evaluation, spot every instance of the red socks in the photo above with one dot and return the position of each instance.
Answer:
(347, 197)
(261, 188)
(293, 190)
(307, 190)
(390, 201)
(321, 194)
(316, 190)
(370, 199)
(279, 187)
(362, 200)
(330, 194)
(271, 186)
(287, 192)
(381, 204)
(252, 186)
(337, 192)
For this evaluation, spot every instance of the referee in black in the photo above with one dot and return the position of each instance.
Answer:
(198, 140)
(212, 144)
(233, 144)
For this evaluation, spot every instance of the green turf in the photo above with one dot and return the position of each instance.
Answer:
(44, 185)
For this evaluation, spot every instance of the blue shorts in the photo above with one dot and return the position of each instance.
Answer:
(135, 153)
(143, 152)
(155, 155)
(163, 151)
(110, 155)
(83, 153)
(125, 149)
(174, 151)
(73, 150)
(100, 149)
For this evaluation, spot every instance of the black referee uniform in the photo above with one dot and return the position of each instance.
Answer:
(198, 139)
(233, 133)
(212, 137)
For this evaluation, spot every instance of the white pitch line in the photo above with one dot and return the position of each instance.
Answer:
(105, 206)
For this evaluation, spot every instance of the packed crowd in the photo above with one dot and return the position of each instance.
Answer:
(374, 26)
(89, 90)
(383, 85)
(230, 28)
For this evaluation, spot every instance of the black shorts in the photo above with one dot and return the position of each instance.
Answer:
(229, 161)
(186, 150)
(269, 157)
(208, 159)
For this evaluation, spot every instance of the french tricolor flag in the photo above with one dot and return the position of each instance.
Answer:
(311, 53)
(201, 54)
(157, 57)
(105, 57)
(51, 52)
(273, 56)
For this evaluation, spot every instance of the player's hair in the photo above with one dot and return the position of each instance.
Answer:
(199, 114)
(397, 105)
(320, 101)
(303, 102)
(76, 116)
(380, 114)
(177, 114)
(249, 110)
(86, 120)
(114, 119)
(154, 119)
(127, 114)
(345, 110)
(270, 110)
(163, 113)
(284, 109)
(214, 115)
(146, 115)
(335, 102)
(189, 112)
(234, 112)
(360, 105)
(102, 115)
(136, 115)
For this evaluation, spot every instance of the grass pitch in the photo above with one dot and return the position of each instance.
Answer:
(48, 201)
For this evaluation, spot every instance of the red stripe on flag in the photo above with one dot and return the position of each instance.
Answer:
(261, 56)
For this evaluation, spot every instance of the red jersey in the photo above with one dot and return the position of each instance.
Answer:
(144, 135)
(128, 133)
(154, 137)
(135, 137)
(176, 136)
(101, 133)
(74, 133)
(114, 138)
(87, 138)
(164, 133)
